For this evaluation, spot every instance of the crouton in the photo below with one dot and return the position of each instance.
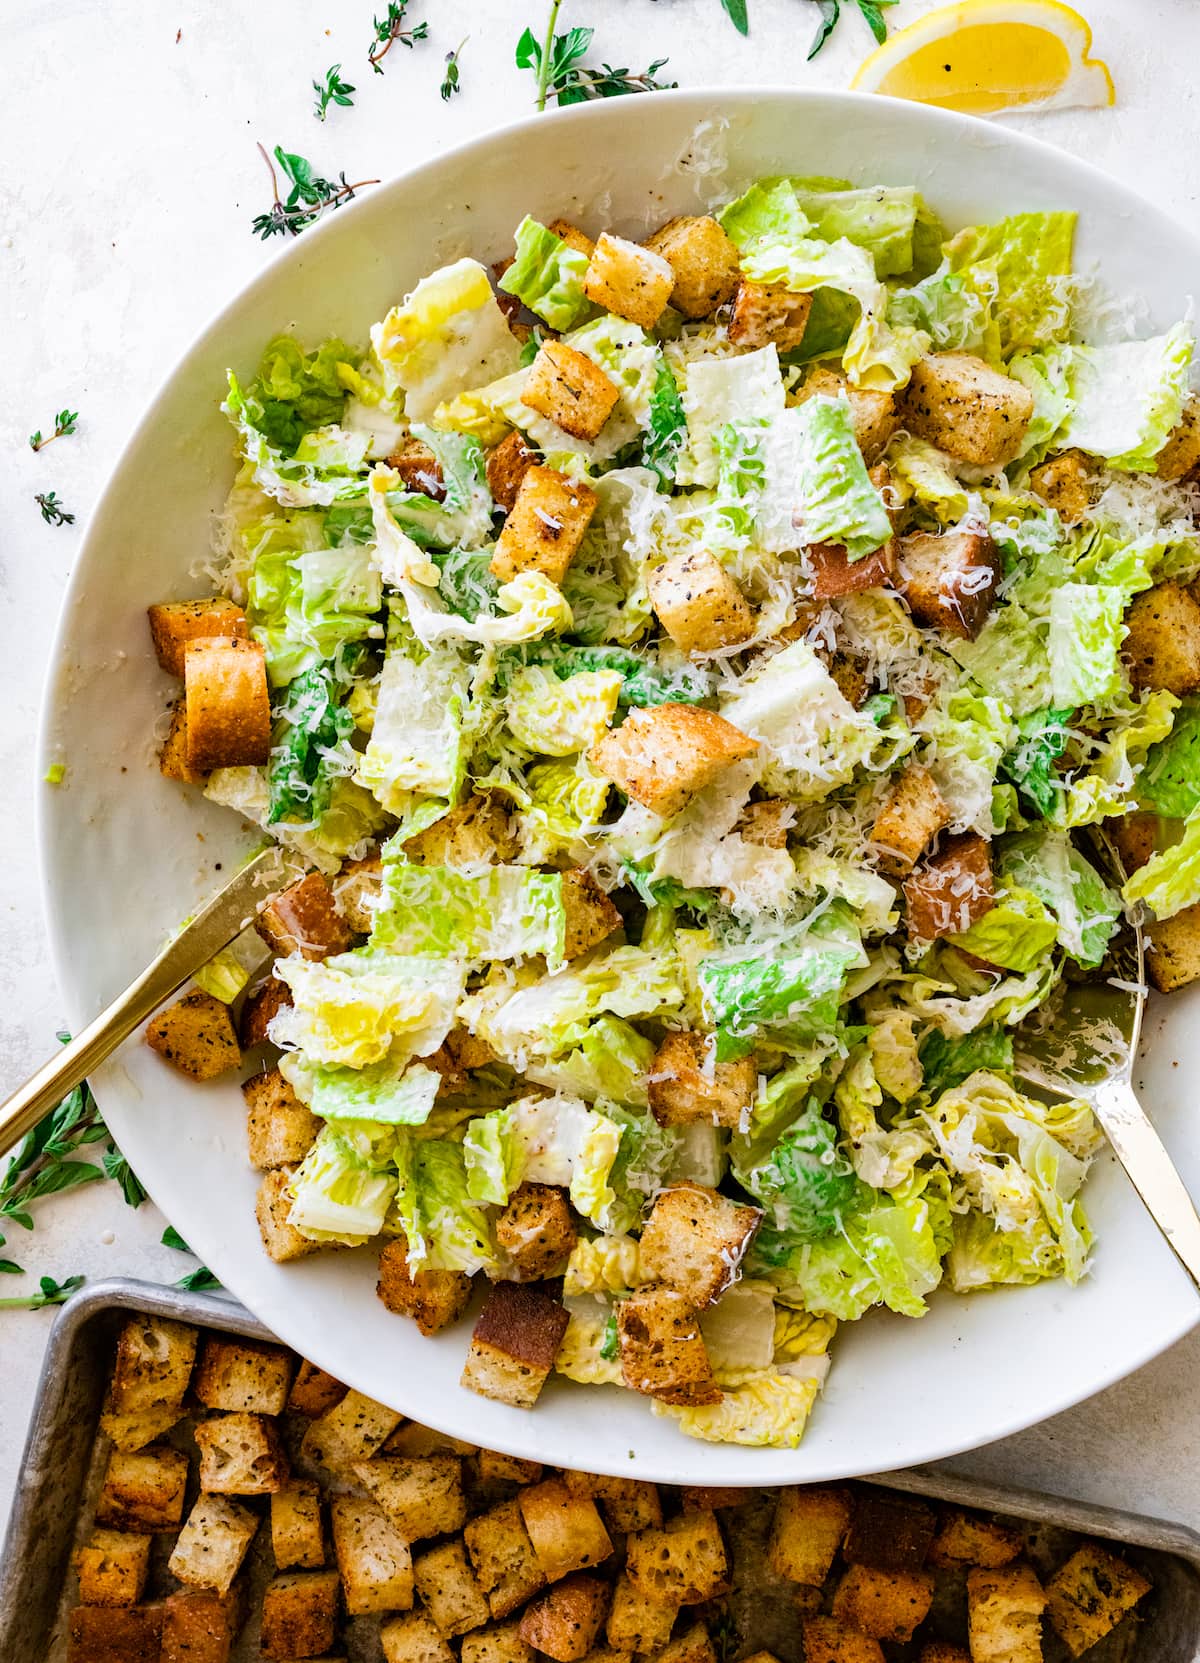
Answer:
(432, 1298)
(766, 823)
(637, 1622)
(704, 260)
(492, 1469)
(1064, 483)
(198, 1626)
(695, 1240)
(663, 756)
(964, 407)
(703, 1498)
(143, 1490)
(299, 1614)
(1162, 647)
(564, 1622)
(970, 1539)
(415, 1442)
(514, 1343)
(950, 890)
(280, 1130)
(507, 464)
(297, 1535)
(827, 1641)
(683, 1561)
(662, 1350)
(313, 1391)
(356, 890)
(304, 919)
(1173, 950)
(352, 1430)
(1088, 1596)
(1180, 456)
(535, 1232)
(913, 813)
(500, 1644)
(196, 1036)
(1136, 838)
(174, 623)
(545, 525)
(632, 281)
(938, 1652)
(136, 1430)
(102, 1634)
(768, 312)
(566, 1531)
(228, 704)
(834, 574)
(419, 468)
(873, 414)
(173, 761)
(699, 604)
(572, 236)
(627, 1503)
(413, 1638)
(888, 1605)
(112, 1567)
(477, 830)
(761, 1657)
(566, 387)
(468, 1050)
(950, 581)
(889, 1532)
(240, 1455)
(1004, 1615)
(591, 916)
(154, 1363)
(449, 1589)
(372, 1556)
(850, 676)
(215, 1539)
(809, 1527)
(685, 1088)
(421, 1496)
(694, 1646)
(503, 1557)
(260, 1009)
(272, 1205)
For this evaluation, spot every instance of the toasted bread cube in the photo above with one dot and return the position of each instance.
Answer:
(432, 1298)
(637, 1622)
(1180, 456)
(477, 830)
(260, 1010)
(632, 281)
(249, 1375)
(280, 1130)
(102, 1634)
(492, 1469)
(950, 890)
(699, 604)
(514, 1343)
(313, 1391)
(704, 261)
(500, 1644)
(566, 387)
(685, 1088)
(938, 1652)
(627, 1503)
(850, 676)
(449, 1589)
(507, 466)
(885, 1604)
(1162, 647)
(567, 1532)
(356, 890)
(415, 1442)
(827, 1641)
(661, 757)
(913, 813)
(964, 407)
(809, 1527)
(662, 1350)
(1004, 1615)
(761, 1657)
(766, 823)
(1088, 1596)
(198, 1626)
(413, 1638)
(889, 1532)
(704, 1498)
(214, 1541)
(299, 1614)
(695, 1240)
(504, 1559)
(175, 623)
(143, 1490)
(834, 573)
(419, 468)
(173, 761)
(572, 236)
(545, 525)
(949, 581)
(154, 1363)
(373, 1558)
(240, 1455)
(1137, 838)
(352, 1430)
(591, 916)
(1173, 950)
(535, 1232)
(695, 1646)
(304, 919)
(112, 1567)
(768, 312)
(874, 414)
(281, 1239)
(196, 1036)
(297, 1534)
(683, 1561)
(228, 704)
(422, 1496)
(1064, 483)
(970, 1539)
(565, 1621)
(136, 1430)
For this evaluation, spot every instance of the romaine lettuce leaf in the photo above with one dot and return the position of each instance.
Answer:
(566, 802)
(448, 334)
(546, 275)
(1170, 781)
(1107, 785)
(305, 604)
(767, 1409)
(1126, 399)
(666, 425)
(500, 912)
(1087, 911)
(444, 1229)
(306, 754)
(354, 1009)
(342, 1189)
(1044, 736)
(1027, 256)
(947, 1061)
(816, 488)
(394, 1092)
(418, 741)
(718, 391)
(1016, 933)
(647, 1153)
(560, 717)
(295, 391)
(804, 1183)
(1087, 627)
(1170, 879)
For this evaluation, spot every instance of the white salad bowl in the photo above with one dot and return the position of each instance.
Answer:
(126, 854)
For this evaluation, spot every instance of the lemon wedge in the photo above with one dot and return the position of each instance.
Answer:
(984, 56)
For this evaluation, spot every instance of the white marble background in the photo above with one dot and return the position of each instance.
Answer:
(128, 179)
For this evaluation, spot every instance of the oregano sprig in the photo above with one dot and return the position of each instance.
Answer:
(830, 10)
(560, 73)
(49, 1292)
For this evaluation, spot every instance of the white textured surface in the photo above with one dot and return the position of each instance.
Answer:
(124, 222)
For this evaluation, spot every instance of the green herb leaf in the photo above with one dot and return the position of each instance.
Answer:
(735, 11)
(829, 10)
(309, 197)
(51, 1293)
(872, 11)
(8, 1267)
(562, 75)
(197, 1280)
(52, 509)
(333, 90)
(450, 81)
(172, 1238)
(610, 1345)
(119, 1170)
(389, 30)
(64, 423)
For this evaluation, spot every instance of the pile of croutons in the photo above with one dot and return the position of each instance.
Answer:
(390, 1540)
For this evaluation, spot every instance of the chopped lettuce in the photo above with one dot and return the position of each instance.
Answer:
(546, 275)
(1086, 910)
(443, 1227)
(1043, 738)
(305, 604)
(1127, 398)
(560, 717)
(1170, 880)
(358, 1008)
(394, 1092)
(718, 391)
(1022, 261)
(306, 745)
(805, 1185)
(816, 487)
(545, 1140)
(449, 333)
(666, 425)
(1016, 933)
(500, 912)
(295, 392)
(948, 1061)
(1170, 781)
(418, 740)
(1087, 627)
(343, 1188)
(767, 1410)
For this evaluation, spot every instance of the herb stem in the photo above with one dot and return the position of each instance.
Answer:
(543, 76)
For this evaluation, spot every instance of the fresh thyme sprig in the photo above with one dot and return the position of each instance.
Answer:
(389, 30)
(50, 1293)
(872, 11)
(52, 509)
(64, 423)
(308, 198)
(450, 81)
(193, 1280)
(333, 90)
(735, 11)
(560, 73)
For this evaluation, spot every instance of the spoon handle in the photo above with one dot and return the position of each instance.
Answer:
(1151, 1170)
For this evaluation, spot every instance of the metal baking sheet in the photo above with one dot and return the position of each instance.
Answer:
(59, 1473)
